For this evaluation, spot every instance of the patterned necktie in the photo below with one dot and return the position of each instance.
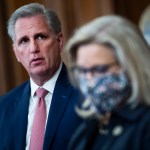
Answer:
(38, 127)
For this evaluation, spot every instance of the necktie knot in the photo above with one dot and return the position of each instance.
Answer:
(41, 92)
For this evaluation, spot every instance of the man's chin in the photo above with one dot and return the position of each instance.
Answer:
(39, 72)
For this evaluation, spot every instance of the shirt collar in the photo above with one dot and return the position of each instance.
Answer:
(49, 85)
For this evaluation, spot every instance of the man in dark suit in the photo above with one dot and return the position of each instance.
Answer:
(37, 44)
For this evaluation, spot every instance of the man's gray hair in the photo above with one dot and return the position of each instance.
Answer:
(30, 10)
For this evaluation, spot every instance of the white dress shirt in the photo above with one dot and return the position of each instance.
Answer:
(49, 86)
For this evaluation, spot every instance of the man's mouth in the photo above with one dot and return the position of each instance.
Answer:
(36, 61)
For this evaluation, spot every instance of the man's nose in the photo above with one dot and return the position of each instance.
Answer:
(33, 46)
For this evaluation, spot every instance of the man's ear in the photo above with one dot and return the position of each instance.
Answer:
(15, 51)
(60, 41)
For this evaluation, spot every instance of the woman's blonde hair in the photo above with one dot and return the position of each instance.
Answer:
(129, 45)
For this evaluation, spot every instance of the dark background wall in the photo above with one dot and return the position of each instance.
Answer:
(73, 13)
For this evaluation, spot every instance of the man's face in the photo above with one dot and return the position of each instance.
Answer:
(37, 47)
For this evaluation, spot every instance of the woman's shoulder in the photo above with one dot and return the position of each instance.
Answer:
(132, 113)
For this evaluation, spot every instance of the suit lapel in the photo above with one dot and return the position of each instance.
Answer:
(58, 105)
(21, 118)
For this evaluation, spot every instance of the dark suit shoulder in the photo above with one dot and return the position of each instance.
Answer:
(14, 94)
(17, 90)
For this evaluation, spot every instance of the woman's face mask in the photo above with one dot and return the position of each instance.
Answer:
(105, 92)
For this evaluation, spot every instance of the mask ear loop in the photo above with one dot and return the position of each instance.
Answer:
(87, 111)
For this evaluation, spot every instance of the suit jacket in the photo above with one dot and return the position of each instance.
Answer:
(62, 119)
(128, 129)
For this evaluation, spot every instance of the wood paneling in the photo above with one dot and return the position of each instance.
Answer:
(131, 9)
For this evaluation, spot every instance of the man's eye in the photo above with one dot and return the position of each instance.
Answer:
(24, 41)
(40, 37)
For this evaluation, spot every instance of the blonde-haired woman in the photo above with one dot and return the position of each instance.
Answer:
(109, 61)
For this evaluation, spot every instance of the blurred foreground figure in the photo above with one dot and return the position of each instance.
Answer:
(109, 61)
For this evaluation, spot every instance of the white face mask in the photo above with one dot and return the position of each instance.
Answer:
(105, 92)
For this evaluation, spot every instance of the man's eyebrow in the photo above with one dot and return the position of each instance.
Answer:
(21, 38)
(40, 33)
